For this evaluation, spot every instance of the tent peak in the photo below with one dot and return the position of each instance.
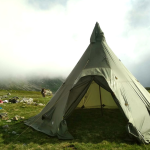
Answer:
(97, 34)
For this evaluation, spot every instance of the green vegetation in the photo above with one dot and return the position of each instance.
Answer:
(90, 129)
(148, 89)
(52, 84)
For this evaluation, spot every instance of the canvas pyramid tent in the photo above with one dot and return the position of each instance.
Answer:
(98, 80)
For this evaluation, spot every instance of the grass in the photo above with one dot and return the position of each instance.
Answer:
(90, 129)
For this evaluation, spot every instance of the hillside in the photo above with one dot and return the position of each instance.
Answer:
(91, 130)
(32, 84)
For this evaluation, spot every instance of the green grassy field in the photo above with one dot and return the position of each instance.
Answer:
(90, 129)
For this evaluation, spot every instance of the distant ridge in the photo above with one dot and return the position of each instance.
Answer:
(34, 84)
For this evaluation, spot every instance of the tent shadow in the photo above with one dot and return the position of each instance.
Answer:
(86, 125)
(94, 126)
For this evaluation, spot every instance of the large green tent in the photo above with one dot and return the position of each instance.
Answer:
(99, 80)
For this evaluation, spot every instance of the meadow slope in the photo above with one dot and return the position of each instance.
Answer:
(90, 129)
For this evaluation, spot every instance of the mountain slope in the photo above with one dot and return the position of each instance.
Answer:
(34, 84)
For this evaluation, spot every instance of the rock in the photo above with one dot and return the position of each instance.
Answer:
(33, 103)
(3, 115)
(27, 100)
(15, 118)
(6, 126)
(8, 121)
(8, 94)
(40, 104)
(13, 132)
(21, 117)
(4, 96)
(29, 103)
(36, 104)
(48, 92)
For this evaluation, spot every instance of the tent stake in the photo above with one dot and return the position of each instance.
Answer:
(100, 100)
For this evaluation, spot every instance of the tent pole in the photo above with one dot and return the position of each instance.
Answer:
(100, 100)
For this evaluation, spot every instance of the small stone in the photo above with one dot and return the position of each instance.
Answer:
(36, 104)
(3, 115)
(29, 103)
(6, 126)
(8, 121)
(40, 104)
(15, 118)
(33, 103)
(4, 96)
(26, 100)
(21, 117)
(13, 132)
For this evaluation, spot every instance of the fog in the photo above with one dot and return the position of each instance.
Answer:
(48, 37)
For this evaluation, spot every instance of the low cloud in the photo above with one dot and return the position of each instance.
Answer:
(47, 38)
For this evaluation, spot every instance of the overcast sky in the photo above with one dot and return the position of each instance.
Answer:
(48, 37)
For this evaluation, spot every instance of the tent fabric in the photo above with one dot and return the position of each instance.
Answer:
(92, 98)
(84, 87)
(98, 68)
